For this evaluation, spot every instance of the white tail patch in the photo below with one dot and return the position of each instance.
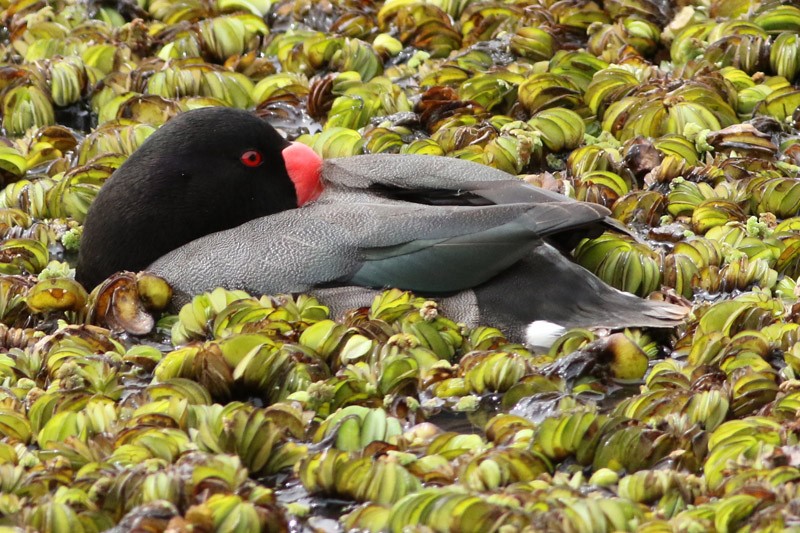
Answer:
(542, 334)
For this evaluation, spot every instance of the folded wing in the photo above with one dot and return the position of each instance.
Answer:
(371, 242)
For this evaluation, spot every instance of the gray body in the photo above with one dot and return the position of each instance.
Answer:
(488, 261)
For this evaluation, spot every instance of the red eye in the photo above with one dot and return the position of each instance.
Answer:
(251, 158)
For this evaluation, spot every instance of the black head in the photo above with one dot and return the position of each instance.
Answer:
(204, 171)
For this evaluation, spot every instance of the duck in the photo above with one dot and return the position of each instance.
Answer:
(217, 197)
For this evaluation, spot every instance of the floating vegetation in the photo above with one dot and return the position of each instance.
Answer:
(262, 412)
